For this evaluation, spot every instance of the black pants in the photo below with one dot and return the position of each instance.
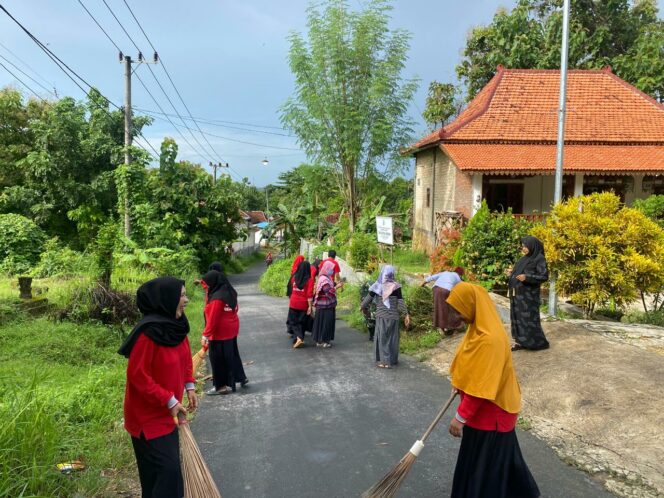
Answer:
(226, 364)
(159, 466)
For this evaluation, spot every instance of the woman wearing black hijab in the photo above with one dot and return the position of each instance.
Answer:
(529, 273)
(301, 301)
(222, 326)
(158, 372)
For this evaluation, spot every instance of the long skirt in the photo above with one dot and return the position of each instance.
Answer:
(226, 363)
(490, 465)
(386, 341)
(297, 322)
(158, 462)
(525, 317)
(444, 316)
(324, 323)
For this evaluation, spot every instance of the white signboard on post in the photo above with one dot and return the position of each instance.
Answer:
(384, 229)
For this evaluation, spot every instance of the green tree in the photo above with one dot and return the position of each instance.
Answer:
(622, 33)
(350, 103)
(441, 104)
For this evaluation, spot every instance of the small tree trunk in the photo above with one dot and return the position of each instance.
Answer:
(643, 300)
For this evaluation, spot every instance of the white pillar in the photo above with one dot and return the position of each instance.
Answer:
(477, 192)
(578, 184)
(637, 192)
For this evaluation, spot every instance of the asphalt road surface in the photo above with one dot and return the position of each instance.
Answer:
(327, 423)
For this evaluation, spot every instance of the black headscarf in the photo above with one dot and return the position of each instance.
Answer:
(530, 260)
(302, 274)
(219, 287)
(217, 266)
(158, 300)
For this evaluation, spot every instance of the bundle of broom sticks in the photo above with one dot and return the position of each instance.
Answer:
(197, 359)
(198, 482)
(389, 485)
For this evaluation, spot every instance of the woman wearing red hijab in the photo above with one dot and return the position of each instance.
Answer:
(158, 372)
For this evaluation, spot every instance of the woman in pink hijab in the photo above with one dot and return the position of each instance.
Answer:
(325, 302)
(386, 295)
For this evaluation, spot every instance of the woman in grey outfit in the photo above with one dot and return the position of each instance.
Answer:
(386, 294)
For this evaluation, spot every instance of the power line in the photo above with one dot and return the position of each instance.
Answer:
(100, 27)
(22, 82)
(216, 123)
(169, 77)
(26, 75)
(34, 71)
(154, 75)
(234, 139)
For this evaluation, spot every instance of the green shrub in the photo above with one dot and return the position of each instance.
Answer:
(490, 243)
(321, 249)
(363, 250)
(603, 252)
(650, 318)
(59, 261)
(161, 261)
(20, 244)
(652, 207)
(275, 279)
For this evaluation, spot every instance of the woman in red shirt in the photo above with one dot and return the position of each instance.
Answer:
(490, 463)
(158, 372)
(222, 326)
(301, 302)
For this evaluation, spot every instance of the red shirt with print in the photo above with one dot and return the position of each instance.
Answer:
(221, 321)
(154, 374)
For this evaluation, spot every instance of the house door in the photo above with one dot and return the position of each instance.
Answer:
(504, 196)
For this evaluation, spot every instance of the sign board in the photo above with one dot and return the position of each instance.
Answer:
(384, 229)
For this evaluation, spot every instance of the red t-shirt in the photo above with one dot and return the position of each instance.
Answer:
(221, 322)
(337, 268)
(154, 374)
(299, 297)
(484, 415)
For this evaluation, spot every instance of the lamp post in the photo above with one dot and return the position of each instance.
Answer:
(265, 162)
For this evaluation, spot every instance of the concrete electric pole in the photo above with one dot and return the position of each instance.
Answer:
(127, 61)
(214, 169)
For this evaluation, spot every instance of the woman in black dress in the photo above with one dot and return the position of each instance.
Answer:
(529, 273)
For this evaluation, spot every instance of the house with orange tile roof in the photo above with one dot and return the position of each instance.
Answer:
(502, 148)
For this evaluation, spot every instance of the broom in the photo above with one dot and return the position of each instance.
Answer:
(197, 359)
(198, 482)
(388, 486)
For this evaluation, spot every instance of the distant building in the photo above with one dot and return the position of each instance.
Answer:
(502, 148)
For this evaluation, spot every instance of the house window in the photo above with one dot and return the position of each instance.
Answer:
(607, 183)
(428, 197)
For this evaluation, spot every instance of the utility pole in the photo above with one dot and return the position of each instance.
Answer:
(127, 61)
(127, 140)
(214, 169)
(562, 109)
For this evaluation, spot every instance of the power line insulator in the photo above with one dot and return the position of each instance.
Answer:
(155, 57)
(140, 57)
(121, 56)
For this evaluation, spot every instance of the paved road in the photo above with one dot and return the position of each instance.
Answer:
(327, 423)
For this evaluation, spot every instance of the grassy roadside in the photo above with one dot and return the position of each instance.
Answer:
(62, 386)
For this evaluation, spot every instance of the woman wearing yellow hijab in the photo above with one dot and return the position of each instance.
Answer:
(490, 464)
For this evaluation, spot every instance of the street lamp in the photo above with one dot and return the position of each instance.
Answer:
(265, 162)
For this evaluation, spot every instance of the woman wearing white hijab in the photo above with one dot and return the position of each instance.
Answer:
(386, 294)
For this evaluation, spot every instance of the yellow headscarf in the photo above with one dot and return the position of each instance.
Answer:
(482, 366)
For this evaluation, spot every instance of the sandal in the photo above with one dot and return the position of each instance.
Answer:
(326, 345)
(298, 343)
(517, 347)
(244, 383)
(215, 392)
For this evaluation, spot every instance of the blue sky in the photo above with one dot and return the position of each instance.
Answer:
(227, 59)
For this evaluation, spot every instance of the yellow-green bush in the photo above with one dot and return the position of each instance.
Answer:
(603, 251)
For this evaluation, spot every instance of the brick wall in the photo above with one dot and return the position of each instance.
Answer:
(441, 185)
(463, 193)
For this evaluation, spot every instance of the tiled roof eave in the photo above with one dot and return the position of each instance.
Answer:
(629, 143)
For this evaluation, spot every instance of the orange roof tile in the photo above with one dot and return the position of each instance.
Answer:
(521, 105)
(514, 158)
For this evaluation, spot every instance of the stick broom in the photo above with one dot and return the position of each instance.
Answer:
(198, 482)
(197, 359)
(388, 486)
